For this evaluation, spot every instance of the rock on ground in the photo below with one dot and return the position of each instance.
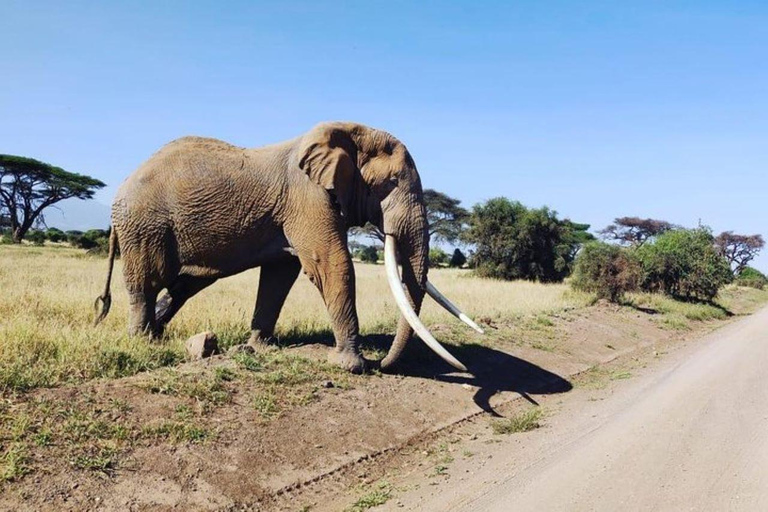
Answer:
(202, 345)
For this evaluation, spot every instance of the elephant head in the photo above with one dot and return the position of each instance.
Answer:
(372, 178)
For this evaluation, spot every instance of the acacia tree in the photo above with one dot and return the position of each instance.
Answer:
(634, 230)
(446, 219)
(739, 250)
(28, 186)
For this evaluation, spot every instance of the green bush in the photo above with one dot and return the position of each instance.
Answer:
(684, 263)
(55, 235)
(437, 257)
(457, 259)
(36, 236)
(91, 239)
(607, 270)
(752, 278)
(368, 254)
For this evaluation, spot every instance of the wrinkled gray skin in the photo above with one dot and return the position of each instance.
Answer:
(201, 209)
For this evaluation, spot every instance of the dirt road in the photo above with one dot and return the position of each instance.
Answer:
(689, 433)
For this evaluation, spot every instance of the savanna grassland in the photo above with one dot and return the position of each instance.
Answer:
(47, 338)
(91, 404)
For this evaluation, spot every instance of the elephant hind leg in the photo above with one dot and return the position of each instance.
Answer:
(183, 288)
(149, 264)
(141, 315)
(275, 281)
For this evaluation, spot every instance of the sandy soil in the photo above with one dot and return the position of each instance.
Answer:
(323, 455)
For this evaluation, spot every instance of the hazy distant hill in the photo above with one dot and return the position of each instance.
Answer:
(77, 214)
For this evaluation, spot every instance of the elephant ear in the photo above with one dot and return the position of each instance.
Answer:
(328, 158)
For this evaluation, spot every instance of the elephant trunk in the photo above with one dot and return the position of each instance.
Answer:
(413, 248)
(414, 277)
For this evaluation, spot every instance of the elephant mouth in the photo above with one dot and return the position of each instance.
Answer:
(396, 286)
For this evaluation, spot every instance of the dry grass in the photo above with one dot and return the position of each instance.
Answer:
(46, 314)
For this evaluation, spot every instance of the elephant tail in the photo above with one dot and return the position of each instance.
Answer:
(106, 297)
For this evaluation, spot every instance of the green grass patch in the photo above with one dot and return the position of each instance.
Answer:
(523, 422)
(14, 462)
(99, 459)
(378, 496)
(177, 432)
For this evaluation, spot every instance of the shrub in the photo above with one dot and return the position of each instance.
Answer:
(684, 263)
(607, 270)
(752, 278)
(91, 239)
(457, 259)
(55, 235)
(368, 254)
(437, 257)
(36, 236)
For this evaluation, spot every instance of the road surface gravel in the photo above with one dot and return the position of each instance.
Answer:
(691, 433)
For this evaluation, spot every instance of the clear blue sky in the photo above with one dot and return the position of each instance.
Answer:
(597, 109)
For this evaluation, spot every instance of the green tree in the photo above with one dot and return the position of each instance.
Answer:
(684, 263)
(28, 187)
(515, 242)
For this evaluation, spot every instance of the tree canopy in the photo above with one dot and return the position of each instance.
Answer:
(515, 242)
(446, 219)
(28, 186)
(634, 230)
(739, 250)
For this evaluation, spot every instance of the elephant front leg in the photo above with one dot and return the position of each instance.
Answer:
(275, 281)
(333, 274)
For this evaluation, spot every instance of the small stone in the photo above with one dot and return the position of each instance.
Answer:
(202, 345)
(328, 384)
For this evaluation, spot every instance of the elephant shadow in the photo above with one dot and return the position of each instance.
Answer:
(491, 371)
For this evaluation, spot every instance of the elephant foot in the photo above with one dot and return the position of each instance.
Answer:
(348, 360)
(259, 342)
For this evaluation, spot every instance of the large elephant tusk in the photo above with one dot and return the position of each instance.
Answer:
(451, 307)
(393, 277)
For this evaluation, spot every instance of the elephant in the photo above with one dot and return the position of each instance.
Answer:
(201, 209)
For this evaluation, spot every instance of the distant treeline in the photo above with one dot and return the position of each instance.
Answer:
(95, 240)
(504, 239)
(507, 240)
